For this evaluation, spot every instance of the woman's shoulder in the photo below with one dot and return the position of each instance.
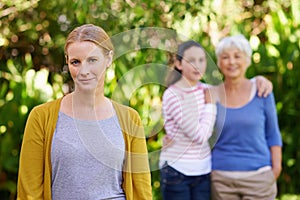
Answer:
(126, 114)
(170, 92)
(46, 111)
(121, 108)
(53, 104)
(269, 98)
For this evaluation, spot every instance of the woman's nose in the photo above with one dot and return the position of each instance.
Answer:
(84, 69)
(198, 65)
(231, 60)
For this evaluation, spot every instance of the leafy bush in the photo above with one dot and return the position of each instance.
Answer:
(32, 68)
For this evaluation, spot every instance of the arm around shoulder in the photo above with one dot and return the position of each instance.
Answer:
(264, 86)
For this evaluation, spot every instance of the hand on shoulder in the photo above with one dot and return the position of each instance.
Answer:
(264, 86)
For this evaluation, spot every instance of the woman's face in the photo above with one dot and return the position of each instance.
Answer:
(193, 64)
(87, 64)
(233, 63)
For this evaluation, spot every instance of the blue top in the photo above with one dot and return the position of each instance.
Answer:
(245, 135)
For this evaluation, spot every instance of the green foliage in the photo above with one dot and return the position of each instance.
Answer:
(20, 91)
(32, 68)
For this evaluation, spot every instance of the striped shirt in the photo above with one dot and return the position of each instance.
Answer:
(189, 124)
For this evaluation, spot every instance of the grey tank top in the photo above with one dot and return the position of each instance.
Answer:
(87, 159)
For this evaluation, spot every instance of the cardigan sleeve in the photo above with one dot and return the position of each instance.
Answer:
(136, 172)
(141, 180)
(34, 179)
(31, 166)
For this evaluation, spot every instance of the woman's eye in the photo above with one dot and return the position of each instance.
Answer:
(75, 62)
(92, 60)
(191, 61)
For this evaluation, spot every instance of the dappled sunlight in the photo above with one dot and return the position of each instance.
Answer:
(33, 68)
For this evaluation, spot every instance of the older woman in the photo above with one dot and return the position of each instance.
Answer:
(246, 159)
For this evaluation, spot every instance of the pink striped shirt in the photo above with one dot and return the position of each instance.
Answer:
(189, 123)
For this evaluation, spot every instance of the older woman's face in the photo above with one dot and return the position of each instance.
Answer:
(233, 63)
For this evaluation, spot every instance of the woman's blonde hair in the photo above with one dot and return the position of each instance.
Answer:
(90, 33)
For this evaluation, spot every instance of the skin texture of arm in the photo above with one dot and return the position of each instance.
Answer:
(276, 153)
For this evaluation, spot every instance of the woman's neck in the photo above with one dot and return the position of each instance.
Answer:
(88, 100)
(88, 106)
(237, 93)
(235, 84)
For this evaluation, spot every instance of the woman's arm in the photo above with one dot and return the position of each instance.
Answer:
(276, 154)
(273, 134)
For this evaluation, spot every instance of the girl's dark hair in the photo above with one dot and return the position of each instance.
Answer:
(175, 74)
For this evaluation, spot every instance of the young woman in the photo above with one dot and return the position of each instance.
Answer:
(84, 145)
(246, 160)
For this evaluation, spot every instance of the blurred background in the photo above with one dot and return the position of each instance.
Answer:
(33, 69)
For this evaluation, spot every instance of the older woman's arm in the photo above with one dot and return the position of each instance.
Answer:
(276, 153)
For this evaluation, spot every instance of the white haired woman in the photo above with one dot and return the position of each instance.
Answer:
(246, 159)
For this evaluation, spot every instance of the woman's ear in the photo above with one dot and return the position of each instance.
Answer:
(66, 57)
(110, 58)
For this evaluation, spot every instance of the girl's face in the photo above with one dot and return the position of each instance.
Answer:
(193, 64)
(87, 64)
(233, 63)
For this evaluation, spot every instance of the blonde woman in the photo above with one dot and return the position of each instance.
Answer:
(84, 145)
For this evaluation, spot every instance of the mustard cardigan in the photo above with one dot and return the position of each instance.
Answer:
(34, 179)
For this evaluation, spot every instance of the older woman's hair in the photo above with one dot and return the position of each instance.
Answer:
(236, 41)
(90, 33)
